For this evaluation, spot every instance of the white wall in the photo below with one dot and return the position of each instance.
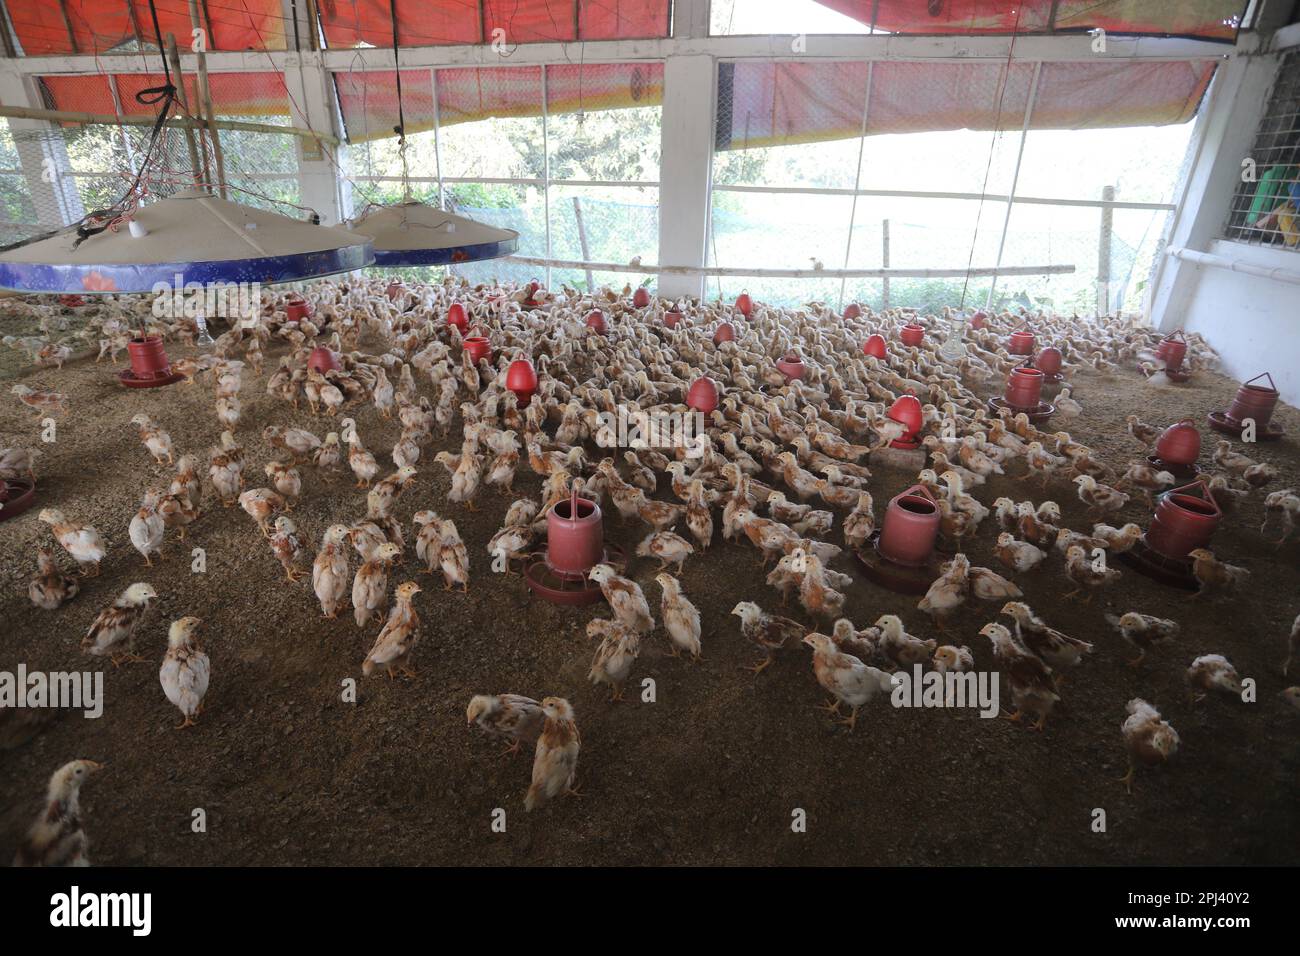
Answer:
(1254, 323)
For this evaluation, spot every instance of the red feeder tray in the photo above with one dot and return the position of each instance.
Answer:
(1037, 415)
(898, 578)
(572, 589)
(1251, 401)
(16, 496)
(1145, 560)
(149, 365)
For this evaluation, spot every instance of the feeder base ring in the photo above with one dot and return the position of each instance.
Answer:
(568, 589)
(130, 380)
(905, 459)
(1181, 472)
(1222, 422)
(898, 578)
(1147, 561)
(1178, 376)
(19, 494)
(1037, 416)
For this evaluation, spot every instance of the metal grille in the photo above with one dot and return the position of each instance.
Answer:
(1266, 205)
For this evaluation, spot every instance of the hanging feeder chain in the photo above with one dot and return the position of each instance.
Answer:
(400, 128)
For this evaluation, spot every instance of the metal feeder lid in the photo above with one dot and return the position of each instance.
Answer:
(416, 234)
(194, 234)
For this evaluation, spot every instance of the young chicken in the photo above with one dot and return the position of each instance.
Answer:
(1099, 497)
(360, 460)
(1117, 540)
(287, 481)
(681, 618)
(768, 632)
(1032, 686)
(147, 528)
(845, 678)
(1214, 575)
(1142, 475)
(699, 517)
(466, 476)
(861, 521)
(949, 658)
(1087, 573)
(815, 592)
(1018, 555)
(1144, 433)
(81, 541)
(400, 634)
(261, 504)
(669, 548)
(453, 557)
(328, 456)
(112, 633)
(57, 837)
(1143, 631)
(948, 592)
(51, 588)
(41, 401)
(1213, 672)
(370, 585)
(899, 647)
(555, 761)
(288, 549)
(615, 656)
(511, 717)
(1057, 650)
(625, 598)
(329, 573)
(1148, 738)
(154, 438)
(381, 498)
(1229, 460)
(185, 670)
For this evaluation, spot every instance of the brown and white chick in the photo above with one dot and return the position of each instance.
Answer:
(1056, 649)
(185, 670)
(860, 523)
(262, 504)
(288, 549)
(1143, 631)
(1019, 556)
(370, 584)
(1118, 540)
(625, 598)
(1147, 737)
(669, 548)
(287, 481)
(112, 633)
(57, 837)
(1098, 497)
(555, 761)
(848, 680)
(1215, 576)
(680, 617)
(768, 632)
(147, 528)
(399, 636)
(511, 717)
(329, 572)
(1033, 688)
(1087, 573)
(948, 592)
(51, 588)
(81, 541)
(618, 650)
(897, 646)
(154, 438)
(1213, 672)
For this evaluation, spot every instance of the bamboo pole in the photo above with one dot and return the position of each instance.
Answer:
(1048, 270)
(174, 57)
(72, 116)
(205, 104)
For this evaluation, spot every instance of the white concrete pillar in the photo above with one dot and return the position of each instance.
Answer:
(685, 169)
(311, 106)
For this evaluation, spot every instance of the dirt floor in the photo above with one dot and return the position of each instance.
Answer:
(708, 774)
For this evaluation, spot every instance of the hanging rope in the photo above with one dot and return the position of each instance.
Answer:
(400, 128)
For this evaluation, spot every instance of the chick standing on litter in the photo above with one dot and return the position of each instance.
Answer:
(185, 670)
(57, 837)
(555, 761)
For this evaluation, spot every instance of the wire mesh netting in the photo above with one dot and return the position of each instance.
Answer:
(1266, 205)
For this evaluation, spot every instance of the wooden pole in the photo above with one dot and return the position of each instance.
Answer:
(174, 58)
(1103, 252)
(582, 241)
(884, 261)
(205, 105)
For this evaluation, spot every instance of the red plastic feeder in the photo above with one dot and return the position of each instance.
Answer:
(791, 366)
(521, 378)
(875, 346)
(641, 297)
(16, 496)
(297, 309)
(456, 316)
(596, 321)
(673, 318)
(979, 320)
(744, 304)
(478, 348)
(1023, 395)
(531, 290)
(725, 332)
(1182, 523)
(852, 310)
(1171, 351)
(912, 334)
(1021, 342)
(1254, 402)
(1177, 449)
(901, 553)
(906, 410)
(702, 396)
(575, 543)
(322, 360)
(394, 290)
(1048, 361)
(149, 365)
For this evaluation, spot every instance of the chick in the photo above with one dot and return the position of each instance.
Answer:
(555, 761)
(958, 660)
(681, 618)
(382, 497)
(625, 598)
(288, 549)
(41, 401)
(370, 585)
(185, 670)
(1087, 573)
(50, 589)
(668, 547)
(329, 573)
(987, 585)
(1032, 686)
(112, 633)
(361, 461)
(1118, 540)
(261, 504)
(816, 594)
(466, 476)
(1229, 460)
(147, 528)
(1146, 434)
(511, 717)
(1099, 497)
(453, 557)
(81, 541)
(154, 438)
(615, 656)
(1142, 475)
(899, 647)
(57, 837)
(1214, 575)
(1057, 650)
(287, 481)
(948, 592)
(328, 456)
(1148, 738)
(1213, 672)
(861, 521)
(768, 632)
(1143, 631)
(1018, 555)
(845, 678)
(400, 634)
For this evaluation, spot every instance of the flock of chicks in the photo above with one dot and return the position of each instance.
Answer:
(780, 460)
